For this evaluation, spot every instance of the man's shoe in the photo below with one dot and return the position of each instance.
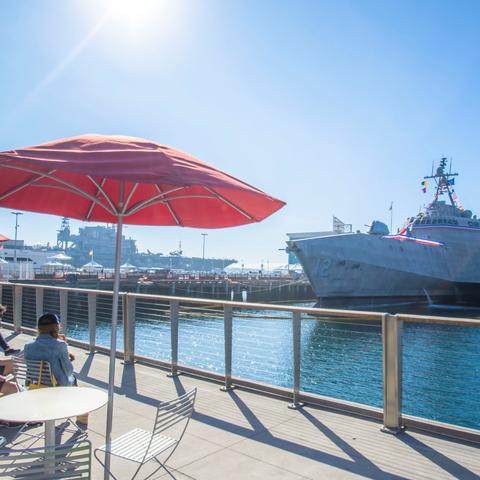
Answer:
(12, 351)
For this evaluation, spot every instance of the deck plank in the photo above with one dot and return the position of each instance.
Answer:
(243, 435)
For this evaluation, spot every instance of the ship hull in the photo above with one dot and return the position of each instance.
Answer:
(362, 269)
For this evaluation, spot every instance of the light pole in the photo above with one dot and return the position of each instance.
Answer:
(15, 246)
(203, 251)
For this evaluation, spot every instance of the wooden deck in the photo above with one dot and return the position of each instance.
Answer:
(244, 435)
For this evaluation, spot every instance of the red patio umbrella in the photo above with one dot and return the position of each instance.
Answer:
(3, 238)
(120, 179)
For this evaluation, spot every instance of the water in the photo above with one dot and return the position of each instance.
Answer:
(441, 364)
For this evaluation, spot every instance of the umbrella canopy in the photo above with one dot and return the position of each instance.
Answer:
(61, 257)
(120, 179)
(79, 177)
(3, 238)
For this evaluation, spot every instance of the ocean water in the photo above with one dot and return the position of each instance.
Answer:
(441, 364)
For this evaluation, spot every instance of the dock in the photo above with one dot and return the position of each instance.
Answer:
(245, 435)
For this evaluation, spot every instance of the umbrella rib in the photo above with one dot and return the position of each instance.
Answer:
(130, 195)
(151, 201)
(90, 208)
(25, 184)
(170, 208)
(102, 191)
(70, 188)
(229, 203)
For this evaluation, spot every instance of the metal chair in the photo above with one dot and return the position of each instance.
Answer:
(35, 374)
(140, 446)
(59, 462)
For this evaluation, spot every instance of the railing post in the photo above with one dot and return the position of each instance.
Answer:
(392, 336)
(174, 337)
(1, 294)
(63, 294)
(38, 302)
(227, 328)
(17, 308)
(128, 328)
(296, 340)
(92, 324)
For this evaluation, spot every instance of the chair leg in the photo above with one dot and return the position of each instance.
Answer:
(103, 464)
(162, 465)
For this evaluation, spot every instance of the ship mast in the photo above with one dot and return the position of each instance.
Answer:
(442, 180)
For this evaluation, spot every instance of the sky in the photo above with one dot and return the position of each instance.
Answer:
(336, 107)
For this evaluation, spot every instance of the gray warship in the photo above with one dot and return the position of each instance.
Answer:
(435, 257)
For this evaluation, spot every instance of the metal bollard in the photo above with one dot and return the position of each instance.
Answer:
(392, 336)
(174, 338)
(92, 324)
(227, 328)
(39, 302)
(128, 328)
(17, 308)
(63, 294)
(296, 338)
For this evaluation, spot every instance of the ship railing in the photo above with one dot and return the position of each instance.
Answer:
(26, 302)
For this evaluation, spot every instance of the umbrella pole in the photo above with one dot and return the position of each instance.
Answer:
(113, 344)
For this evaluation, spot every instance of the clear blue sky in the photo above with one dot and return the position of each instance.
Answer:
(337, 107)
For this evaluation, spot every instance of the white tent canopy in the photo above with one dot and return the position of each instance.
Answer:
(128, 267)
(61, 257)
(92, 266)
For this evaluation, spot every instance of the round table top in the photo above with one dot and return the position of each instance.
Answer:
(51, 403)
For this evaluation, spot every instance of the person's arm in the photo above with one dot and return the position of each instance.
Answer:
(64, 360)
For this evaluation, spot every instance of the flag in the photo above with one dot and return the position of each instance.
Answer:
(424, 186)
(91, 252)
(451, 181)
(391, 207)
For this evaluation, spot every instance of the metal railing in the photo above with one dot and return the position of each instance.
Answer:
(91, 306)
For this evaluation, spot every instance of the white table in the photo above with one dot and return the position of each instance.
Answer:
(50, 404)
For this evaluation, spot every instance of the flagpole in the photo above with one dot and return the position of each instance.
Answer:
(391, 218)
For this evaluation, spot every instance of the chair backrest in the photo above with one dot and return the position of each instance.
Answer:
(28, 372)
(61, 462)
(172, 413)
(19, 369)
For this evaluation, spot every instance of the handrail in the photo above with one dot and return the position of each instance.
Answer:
(346, 315)
(392, 327)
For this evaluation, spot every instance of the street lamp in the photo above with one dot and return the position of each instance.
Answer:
(15, 246)
(203, 251)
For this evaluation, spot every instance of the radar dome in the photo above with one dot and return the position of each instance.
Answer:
(378, 228)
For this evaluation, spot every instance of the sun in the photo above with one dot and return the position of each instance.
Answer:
(134, 15)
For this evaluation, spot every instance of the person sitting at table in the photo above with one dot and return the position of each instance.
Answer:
(7, 386)
(50, 346)
(6, 366)
(3, 343)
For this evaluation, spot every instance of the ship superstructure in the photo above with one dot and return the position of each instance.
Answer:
(435, 255)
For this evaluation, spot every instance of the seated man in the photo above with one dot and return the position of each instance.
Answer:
(50, 346)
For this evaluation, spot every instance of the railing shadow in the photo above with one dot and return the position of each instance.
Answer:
(258, 431)
(440, 459)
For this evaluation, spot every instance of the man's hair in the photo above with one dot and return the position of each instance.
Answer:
(52, 329)
(3, 309)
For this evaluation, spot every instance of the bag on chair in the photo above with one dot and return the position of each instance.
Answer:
(38, 384)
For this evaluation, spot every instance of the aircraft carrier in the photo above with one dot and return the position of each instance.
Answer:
(436, 256)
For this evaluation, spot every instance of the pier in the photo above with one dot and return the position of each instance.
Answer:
(247, 430)
(259, 288)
